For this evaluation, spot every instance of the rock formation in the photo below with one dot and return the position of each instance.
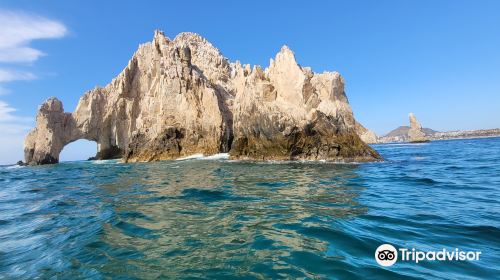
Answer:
(368, 136)
(180, 97)
(416, 133)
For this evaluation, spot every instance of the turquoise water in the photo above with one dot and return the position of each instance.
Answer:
(222, 219)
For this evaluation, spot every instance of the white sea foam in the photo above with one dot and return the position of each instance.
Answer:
(14, 167)
(203, 157)
(105, 161)
(195, 156)
(217, 156)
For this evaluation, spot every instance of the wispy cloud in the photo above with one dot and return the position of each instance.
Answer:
(5, 112)
(6, 115)
(19, 29)
(7, 75)
(13, 129)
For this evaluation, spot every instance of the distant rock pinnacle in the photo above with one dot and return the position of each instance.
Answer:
(416, 133)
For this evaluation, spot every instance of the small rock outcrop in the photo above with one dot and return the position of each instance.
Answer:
(416, 133)
(368, 136)
(181, 97)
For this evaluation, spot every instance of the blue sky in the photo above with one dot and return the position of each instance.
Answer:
(438, 59)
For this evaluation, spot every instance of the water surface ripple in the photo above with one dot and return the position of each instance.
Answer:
(220, 219)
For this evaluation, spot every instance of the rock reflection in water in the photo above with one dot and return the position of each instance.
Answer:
(241, 214)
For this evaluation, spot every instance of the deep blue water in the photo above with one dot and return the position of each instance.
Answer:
(222, 219)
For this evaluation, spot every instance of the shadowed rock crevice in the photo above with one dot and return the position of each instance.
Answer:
(223, 98)
(181, 97)
(167, 145)
(112, 152)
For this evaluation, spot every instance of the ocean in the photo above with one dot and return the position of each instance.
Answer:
(213, 218)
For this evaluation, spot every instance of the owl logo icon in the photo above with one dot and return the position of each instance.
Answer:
(386, 255)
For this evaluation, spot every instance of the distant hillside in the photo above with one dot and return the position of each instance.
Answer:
(415, 133)
(400, 134)
(403, 131)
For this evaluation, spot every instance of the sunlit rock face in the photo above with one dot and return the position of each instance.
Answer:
(180, 97)
(368, 136)
(416, 133)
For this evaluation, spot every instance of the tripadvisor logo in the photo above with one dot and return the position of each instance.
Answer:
(387, 255)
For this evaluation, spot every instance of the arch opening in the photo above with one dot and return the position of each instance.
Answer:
(81, 149)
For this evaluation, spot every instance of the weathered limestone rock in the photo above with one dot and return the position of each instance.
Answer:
(416, 133)
(368, 136)
(289, 112)
(44, 143)
(180, 97)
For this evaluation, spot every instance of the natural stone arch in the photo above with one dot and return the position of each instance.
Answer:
(55, 129)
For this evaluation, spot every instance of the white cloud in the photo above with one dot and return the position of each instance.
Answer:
(7, 75)
(17, 31)
(13, 130)
(12, 124)
(5, 111)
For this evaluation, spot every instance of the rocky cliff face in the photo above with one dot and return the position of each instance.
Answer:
(180, 97)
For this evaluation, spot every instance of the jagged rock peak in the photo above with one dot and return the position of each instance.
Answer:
(286, 54)
(159, 34)
(182, 96)
(416, 133)
(52, 104)
(414, 123)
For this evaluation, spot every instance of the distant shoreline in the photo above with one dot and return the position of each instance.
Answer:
(441, 139)
(400, 135)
